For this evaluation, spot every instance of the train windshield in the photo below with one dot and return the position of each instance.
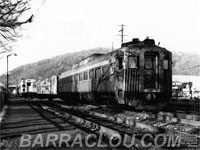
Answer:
(132, 62)
(150, 70)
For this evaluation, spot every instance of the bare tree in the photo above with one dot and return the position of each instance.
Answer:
(11, 19)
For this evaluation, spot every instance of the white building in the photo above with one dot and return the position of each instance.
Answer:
(186, 78)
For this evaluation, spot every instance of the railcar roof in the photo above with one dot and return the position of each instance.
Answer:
(99, 57)
(94, 60)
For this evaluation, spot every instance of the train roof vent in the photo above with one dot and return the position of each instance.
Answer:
(134, 41)
(148, 41)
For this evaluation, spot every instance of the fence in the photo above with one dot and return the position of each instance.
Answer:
(2, 100)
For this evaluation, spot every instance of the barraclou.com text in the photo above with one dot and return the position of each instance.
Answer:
(92, 140)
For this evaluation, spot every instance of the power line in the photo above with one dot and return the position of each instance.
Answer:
(195, 70)
(194, 67)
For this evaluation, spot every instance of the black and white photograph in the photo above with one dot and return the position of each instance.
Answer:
(99, 74)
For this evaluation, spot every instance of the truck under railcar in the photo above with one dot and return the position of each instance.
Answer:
(139, 74)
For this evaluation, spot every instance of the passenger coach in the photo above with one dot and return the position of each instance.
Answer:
(27, 88)
(138, 74)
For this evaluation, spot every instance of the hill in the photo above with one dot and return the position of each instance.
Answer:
(54, 66)
(185, 63)
(48, 67)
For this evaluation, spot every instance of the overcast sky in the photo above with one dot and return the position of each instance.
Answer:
(64, 26)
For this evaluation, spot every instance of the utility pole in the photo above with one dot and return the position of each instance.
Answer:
(122, 33)
(112, 46)
(7, 86)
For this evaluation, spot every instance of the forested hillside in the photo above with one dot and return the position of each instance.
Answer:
(185, 63)
(48, 67)
(53, 66)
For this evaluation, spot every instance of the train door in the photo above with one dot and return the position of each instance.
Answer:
(28, 86)
(119, 78)
(131, 75)
(151, 71)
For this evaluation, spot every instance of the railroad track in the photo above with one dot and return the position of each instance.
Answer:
(118, 125)
(184, 109)
(168, 111)
(186, 106)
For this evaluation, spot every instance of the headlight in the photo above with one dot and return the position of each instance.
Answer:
(150, 96)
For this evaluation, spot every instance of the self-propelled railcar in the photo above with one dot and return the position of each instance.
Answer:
(138, 74)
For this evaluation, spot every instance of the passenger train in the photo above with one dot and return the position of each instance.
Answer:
(138, 74)
(27, 87)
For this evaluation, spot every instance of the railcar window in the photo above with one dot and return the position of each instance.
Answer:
(85, 75)
(91, 73)
(112, 69)
(76, 78)
(97, 73)
(106, 70)
(63, 81)
(28, 83)
(132, 62)
(80, 76)
(166, 64)
(34, 85)
(70, 79)
(149, 63)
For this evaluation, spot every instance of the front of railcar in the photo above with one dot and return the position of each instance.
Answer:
(147, 75)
